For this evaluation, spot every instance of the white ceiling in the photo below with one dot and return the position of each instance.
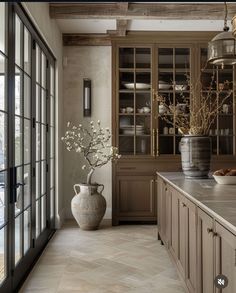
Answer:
(102, 25)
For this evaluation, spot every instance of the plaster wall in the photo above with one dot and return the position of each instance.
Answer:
(93, 62)
(48, 28)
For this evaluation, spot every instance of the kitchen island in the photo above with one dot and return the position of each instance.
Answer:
(197, 225)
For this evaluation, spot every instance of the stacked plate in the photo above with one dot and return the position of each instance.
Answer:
(130, 129)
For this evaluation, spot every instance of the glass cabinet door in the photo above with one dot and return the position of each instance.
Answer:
(135, 101)
(221, 81)
(173, 88)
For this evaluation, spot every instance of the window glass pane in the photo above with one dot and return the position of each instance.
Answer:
(18, 141)
(18, 238)
(3, 137)
(38, 104)
(43, 107)
(52, 111)
(2, 83)
(19, 191)
(27, 96)
(2, 27)
(52, 173)
(52, 80)
(43, 212)
(3, 197)
(52, 192)
(38, 64)
(38, 135)
(18, 41)
(43, 177)
(43, 70)
(18, 90)
(52, 142)
(37, 218)
(27, 228)
(27, 141)
(27, 185)
(2, 254)
(37, 175)
(27, 51)
(43, 146)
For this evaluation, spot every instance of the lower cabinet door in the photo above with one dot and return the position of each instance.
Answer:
(174, 243)
(191, 247)
(226, 257)
(205, 253)
(136, 197)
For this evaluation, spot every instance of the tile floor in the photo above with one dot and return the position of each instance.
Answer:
(110, 260)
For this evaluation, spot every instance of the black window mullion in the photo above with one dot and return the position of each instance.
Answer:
(11, 134)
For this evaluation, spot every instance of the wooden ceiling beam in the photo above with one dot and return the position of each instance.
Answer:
(86, 40)
(213, 11)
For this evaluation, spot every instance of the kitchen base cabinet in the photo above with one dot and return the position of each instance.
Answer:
(164, 214)
(201, 247)
(225, 257)
(205, 253)
(191, 249)
(135, 198)
(177, 227)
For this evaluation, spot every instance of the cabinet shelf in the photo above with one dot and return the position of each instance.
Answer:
(170, 70)
(136, 91)
(136, 114)
(140, 70)
(146, 135)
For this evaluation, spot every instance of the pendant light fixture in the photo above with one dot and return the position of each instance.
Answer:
(222, 48)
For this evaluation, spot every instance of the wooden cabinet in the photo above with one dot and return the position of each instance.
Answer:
(163, 211)
(136, 198)
(201, 247)
(205, 253)
(177, 227)
(225, 258)
(174, 72)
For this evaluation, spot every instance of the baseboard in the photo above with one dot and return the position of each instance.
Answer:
(60, 219)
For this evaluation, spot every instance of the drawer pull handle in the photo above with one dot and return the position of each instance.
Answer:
(209, 230)
(127, 168)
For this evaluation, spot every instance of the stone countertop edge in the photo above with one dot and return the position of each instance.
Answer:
(215, 215)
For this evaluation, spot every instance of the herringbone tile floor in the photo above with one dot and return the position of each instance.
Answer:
(110, 260)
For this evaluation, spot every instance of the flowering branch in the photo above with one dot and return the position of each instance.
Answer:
(93, 144)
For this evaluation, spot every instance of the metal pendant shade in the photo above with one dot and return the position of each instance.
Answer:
(222, 48)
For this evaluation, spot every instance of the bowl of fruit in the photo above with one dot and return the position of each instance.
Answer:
(225, 176)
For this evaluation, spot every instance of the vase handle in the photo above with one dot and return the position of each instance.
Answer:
(102, 188)
(76, 185)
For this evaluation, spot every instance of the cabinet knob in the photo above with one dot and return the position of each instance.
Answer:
(183, 204)
(166, 189)
(209, 230)
(215, 234)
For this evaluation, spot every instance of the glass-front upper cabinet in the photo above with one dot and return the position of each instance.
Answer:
(173, 86)
(135, 101)
(217, 83)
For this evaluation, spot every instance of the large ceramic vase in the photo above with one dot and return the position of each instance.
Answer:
(88, 206)
(195, 156)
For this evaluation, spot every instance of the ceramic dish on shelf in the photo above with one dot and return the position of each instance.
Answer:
(164, 85)
(139, 86)
(225, 180)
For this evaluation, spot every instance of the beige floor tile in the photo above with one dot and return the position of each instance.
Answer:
(110, 260)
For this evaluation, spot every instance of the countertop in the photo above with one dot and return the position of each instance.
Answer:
(217, 200)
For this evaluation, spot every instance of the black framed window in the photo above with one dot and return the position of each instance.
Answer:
(27, 143)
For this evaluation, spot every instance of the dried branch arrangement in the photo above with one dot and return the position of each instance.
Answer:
(203, 108)
(93, 144)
